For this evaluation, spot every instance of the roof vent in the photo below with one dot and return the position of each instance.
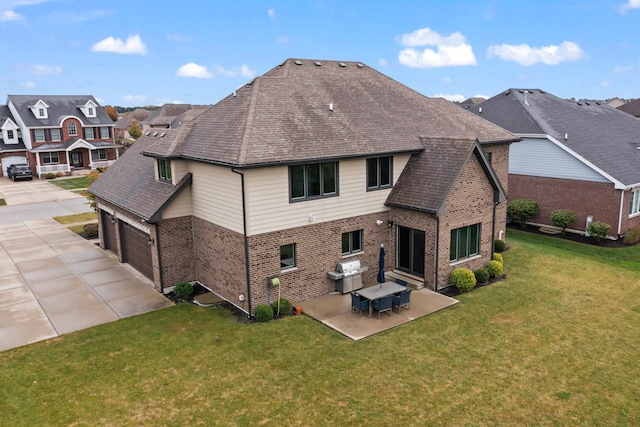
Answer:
(298, 62)
(318, 63)
(526, 100)
(147, 133)
(566, 136)
(155, 134)
(359, 65)
(342, 64)
(162, 135)
(480, 110)
(331, 107)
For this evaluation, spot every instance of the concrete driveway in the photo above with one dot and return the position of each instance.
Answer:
(53, 281)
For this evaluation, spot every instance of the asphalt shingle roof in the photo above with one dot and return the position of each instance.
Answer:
(604, 136)
(60, 106)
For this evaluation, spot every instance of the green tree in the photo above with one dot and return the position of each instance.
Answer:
(134, 130)
(562, 218)
(111, 112)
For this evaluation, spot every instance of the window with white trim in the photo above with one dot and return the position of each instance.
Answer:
(313, 181)
(38, 135)
(91, 111)
(50, 157)
(379, 172)
(104, 132)
(351, 242)
(55, 135)
(634, 206)
(88, 133)
(288, 256)
(10, 134)
(73, 130)
(465, 242)
(41, 112)
(99, 154)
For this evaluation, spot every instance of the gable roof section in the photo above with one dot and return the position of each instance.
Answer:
(164, 115)
(631, 107)
(598, 134)
(131, 185)
(60, 106)
(429, 177)
(139, 114)
(304, 110)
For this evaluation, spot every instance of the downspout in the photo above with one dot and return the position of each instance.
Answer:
(159, 252)
(621, 207)
(493, 227)
(435, 284)
(246, 240)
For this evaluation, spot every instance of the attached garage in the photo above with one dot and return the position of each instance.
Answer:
(11, 160)
(109, 232)
(136, 249)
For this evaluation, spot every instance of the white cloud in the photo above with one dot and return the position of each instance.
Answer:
(242, 71)
(44, 69)
(447, 79)
(630, 4)
(283, 39)
(194, 70)
(525, 55)
(624, 69)
(134, 99)
(451, 51)
(132, 46)
(178, 38)
(383, 62)
(271, 13)
(449, 97)
(28, 85)
(10, 15)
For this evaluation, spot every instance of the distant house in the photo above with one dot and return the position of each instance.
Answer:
(163, 117)
(615, 102)
(631, 107)
(55, 133)
(311, 164)
(121, 127)
(471, 101)
(578, 155)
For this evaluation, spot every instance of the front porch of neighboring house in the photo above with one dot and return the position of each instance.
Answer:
(80, 155)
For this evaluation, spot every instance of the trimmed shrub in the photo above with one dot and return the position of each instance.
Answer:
(521, 210)
(285, 307)
(495, 268)
(59, 174)
(263, 313)
(482, 275)
(183, 289)
(498, 257)
(499, 245)
(632, 236)
(598, 230)
(90, 231)
(563, 218)
(463, 279)
(49, 176)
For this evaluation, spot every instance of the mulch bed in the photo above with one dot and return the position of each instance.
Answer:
(574, 237)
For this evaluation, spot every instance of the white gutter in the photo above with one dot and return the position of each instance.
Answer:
(620, 216)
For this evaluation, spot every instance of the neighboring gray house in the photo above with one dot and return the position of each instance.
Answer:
(308, 165)
(578, 155)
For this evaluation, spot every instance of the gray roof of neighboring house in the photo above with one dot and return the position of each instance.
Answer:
(139, 114)
(604, 136)
(64, 145)
(60, 106)
(131, 185)
(188, 115)
(166, 114)
(631, 107)
(301, 111)
(439, 164)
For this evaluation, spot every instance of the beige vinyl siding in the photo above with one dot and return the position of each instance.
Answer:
(181, 205)
(216, 195)
(269, 209)
(179, 168)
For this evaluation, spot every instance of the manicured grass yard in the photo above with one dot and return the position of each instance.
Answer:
(3, 202)
(71, 183)
(556, 343)
(70, 219)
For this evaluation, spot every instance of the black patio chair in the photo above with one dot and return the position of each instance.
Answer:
(383, 304)
(359, 303)
(402, 299)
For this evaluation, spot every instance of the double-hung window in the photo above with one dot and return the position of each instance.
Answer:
(287, 256)
(38, 135)
(73, 130)
(50, 157)
(379, 172)
(55, 134)
(164, 170)
(634, 207)
(313, 181)
(10, 134)
(104, 132)
(88, 133)
(465, 242)
(99, 154)
(352, 242)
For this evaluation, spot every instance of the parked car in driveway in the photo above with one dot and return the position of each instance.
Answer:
(19, 172)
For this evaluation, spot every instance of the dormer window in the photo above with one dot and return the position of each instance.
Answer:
(164, 170)
(10, 134)
(39, 110)
(73, 130)
(88, 109)
(91, 111)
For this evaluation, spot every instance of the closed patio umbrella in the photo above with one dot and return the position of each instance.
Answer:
(381, 265)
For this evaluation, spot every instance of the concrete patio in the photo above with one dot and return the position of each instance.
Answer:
(334, 311)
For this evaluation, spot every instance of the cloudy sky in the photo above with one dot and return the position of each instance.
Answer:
(133, 53)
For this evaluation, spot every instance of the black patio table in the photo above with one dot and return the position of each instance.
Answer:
(379, 291)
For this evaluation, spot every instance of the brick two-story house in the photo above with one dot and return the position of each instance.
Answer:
(310, 164)
(56, 133)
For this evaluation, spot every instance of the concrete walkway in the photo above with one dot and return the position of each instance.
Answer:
(53, 282)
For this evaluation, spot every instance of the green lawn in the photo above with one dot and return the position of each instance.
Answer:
(3, 202)
(555, 343)
(70, 219)
(71, 183)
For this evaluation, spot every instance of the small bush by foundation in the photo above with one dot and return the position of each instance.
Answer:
(463, 279)
(498, 257)
(183, 289)
(263, 313)
(499, 245)
(285, 307)
(482, 275)
(495, 268)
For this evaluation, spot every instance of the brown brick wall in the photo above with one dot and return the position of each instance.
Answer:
(177, 250)
(598, 199)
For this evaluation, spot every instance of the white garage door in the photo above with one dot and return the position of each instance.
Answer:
(12, 160)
